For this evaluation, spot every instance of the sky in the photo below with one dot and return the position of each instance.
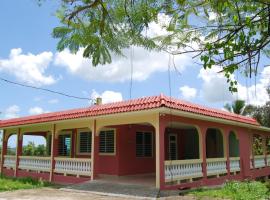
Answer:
(28, 55)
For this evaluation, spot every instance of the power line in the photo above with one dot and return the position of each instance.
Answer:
(44, 89)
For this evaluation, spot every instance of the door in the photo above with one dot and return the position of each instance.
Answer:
(173, 147)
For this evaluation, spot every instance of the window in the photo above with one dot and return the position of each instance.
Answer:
(84, 142)
(64, 145)
(107, 141)
(144, 144)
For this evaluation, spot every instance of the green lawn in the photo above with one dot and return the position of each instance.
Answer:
(9, 184)
(248, 190)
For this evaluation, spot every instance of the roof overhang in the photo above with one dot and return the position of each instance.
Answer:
(161, 110)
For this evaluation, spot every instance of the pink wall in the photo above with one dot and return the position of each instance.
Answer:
(125, 162)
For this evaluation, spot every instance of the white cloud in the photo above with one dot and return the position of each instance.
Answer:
(188, 92)
(12, 112)
(145, 63)
(53, 101)
(107, 96)
(36, 110)
(28, 68)
(215, 87)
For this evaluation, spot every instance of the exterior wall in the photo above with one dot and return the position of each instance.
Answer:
(125, 162)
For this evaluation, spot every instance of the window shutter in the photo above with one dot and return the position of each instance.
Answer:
(85, 142)
(144, 144)
(106, 141)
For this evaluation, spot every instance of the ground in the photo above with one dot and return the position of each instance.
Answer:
(59, 194)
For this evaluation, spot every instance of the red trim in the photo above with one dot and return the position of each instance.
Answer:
(145, 103)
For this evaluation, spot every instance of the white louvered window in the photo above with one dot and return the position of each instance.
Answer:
(144, 144)
(85, 142)
(64, 145)
(107, 142)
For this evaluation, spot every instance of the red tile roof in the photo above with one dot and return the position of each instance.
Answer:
(129, 106)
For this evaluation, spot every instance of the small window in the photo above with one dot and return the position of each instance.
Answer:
(144, 144)
(64, 145)
(107, 142)
(84, 142)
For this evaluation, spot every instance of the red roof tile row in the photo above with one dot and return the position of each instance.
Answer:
(144, 103)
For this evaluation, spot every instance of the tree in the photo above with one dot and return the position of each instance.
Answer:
(233, 34)
(237, 107)
(260, 113)
(32, 150)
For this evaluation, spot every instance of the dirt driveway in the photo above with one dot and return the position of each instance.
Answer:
(56, 194)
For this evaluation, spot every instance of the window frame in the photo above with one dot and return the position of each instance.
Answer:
(65, 132)
(114, 131)
(152, 143)
(78, 144)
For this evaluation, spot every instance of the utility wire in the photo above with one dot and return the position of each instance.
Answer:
(131, 71)
(44, 89)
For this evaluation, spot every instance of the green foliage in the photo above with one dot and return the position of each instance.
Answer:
(9, 184)
(257, 145)
(32, 150)
(237, 107)
(237, 191)
(229, 33)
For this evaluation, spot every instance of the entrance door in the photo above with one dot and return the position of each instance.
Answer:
(173, 147)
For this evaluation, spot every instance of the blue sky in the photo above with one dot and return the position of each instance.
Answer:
(28, 55)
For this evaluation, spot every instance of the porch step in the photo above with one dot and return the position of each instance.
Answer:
(117, 188)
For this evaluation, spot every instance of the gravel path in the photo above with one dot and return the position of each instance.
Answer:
(59, 194)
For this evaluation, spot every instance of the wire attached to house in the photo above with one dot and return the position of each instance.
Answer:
(46, 90)
(131, 71)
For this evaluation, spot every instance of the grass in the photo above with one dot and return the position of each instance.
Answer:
(10, 184)
(247, 190)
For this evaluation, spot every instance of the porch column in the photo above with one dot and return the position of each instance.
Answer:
(264, 149)
(245, 148)
(94, 152)
(18, 151)
(203, 154)
(53, 152)
(160, 152)
(4, 150)
(227, 150)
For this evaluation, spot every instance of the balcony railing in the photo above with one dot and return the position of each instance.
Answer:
(259, 161)
(9, 161)
(216, 166)
(40, 164)
(234, 164)
(177, 170)
(73, 166)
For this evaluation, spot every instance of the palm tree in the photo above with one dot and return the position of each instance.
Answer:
(237, 107)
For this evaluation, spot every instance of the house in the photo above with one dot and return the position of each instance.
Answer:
(177, 143)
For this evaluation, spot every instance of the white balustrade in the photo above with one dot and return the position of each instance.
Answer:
(216, 166)
(35, 163)
(75, 166)
(235, 164)
(9, 161)
(177, 170)
(259, 161)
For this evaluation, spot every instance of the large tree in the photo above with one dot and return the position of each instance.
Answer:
(233, 34)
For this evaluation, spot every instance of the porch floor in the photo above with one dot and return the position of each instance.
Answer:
(135, 185)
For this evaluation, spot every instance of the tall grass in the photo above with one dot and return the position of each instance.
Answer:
(9, 184)
(247, 190)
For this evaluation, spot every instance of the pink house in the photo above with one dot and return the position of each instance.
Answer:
(177, 143)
